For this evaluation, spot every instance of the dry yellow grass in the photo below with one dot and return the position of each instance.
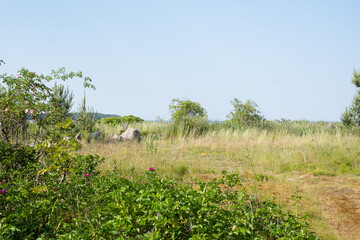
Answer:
(273, 164)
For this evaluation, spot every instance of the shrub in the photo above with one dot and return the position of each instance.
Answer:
(109, 207)
(25, 97)
(186, 109)
(187, 117)
(121, 120)
(246, 113)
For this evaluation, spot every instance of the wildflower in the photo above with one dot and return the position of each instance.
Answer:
(32, 93)
(31, 111)
(203, 153)
(6, 109)
(74, 166)
(26, 102)
(53, 188)
(86, 175)
(151, 169)
(17, 76)
(3, 191)
(69, 181)
(26, 110)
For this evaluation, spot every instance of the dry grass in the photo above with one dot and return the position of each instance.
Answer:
(273, 164)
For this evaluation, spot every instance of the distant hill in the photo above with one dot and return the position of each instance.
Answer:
(98, 115)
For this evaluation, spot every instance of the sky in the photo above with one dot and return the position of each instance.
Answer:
(295, 59)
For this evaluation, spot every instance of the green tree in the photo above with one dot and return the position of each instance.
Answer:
(62, 98)
(245, 112)
(351, 116)
(185, 109)
(86, 118)
(25, 97)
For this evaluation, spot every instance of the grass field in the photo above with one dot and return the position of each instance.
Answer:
(308, 167)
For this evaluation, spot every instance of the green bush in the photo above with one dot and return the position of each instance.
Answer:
(88, 206)
(245, 113)
(28, 111)
(121, 120)
(187, 117)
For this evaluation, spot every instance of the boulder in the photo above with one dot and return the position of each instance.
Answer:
(95, 136)
(114, 138)
(131, 134)
(78, 137)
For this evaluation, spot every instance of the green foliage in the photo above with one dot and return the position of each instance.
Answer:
(112, 120)
(17, 161)
(185, 110)
(187, 126)
(86, 206)
(121, 120)
(25, 97)
(86, 119)
(131, 119)
(62, 98)
(351, 116)
(246, 113)
(187, 118)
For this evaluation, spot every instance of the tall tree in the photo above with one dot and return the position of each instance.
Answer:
(351, 116)
(62, 99)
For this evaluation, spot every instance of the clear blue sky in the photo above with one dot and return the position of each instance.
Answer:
(293, 58)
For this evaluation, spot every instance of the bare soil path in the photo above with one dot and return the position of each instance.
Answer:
(340, 201)
(332, 202)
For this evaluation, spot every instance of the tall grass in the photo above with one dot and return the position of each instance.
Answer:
(303, 147)
(269, 154)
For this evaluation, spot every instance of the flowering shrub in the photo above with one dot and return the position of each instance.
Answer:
(27, 96)
(147, 207)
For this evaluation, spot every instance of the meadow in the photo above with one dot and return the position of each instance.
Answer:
(245, 178)
(311, 168)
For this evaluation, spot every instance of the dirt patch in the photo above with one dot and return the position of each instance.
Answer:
(332, 202)
(340, 200)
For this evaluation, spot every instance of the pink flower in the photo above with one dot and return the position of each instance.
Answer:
(26, 102)
(69, 181)
(74, 166)
(53, 188)
(17, 76)
(151, 169)
(26, 110)
(3, 191)
(86, 175)
(6, 109)
(31, 111)
(32, 93)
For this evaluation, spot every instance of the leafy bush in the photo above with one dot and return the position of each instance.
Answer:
(246, 113)
(187, 117)
(121, 120)
(186, 109)
(25, 97)
(88, 206)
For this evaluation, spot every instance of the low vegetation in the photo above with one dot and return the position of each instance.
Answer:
(245, 178)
